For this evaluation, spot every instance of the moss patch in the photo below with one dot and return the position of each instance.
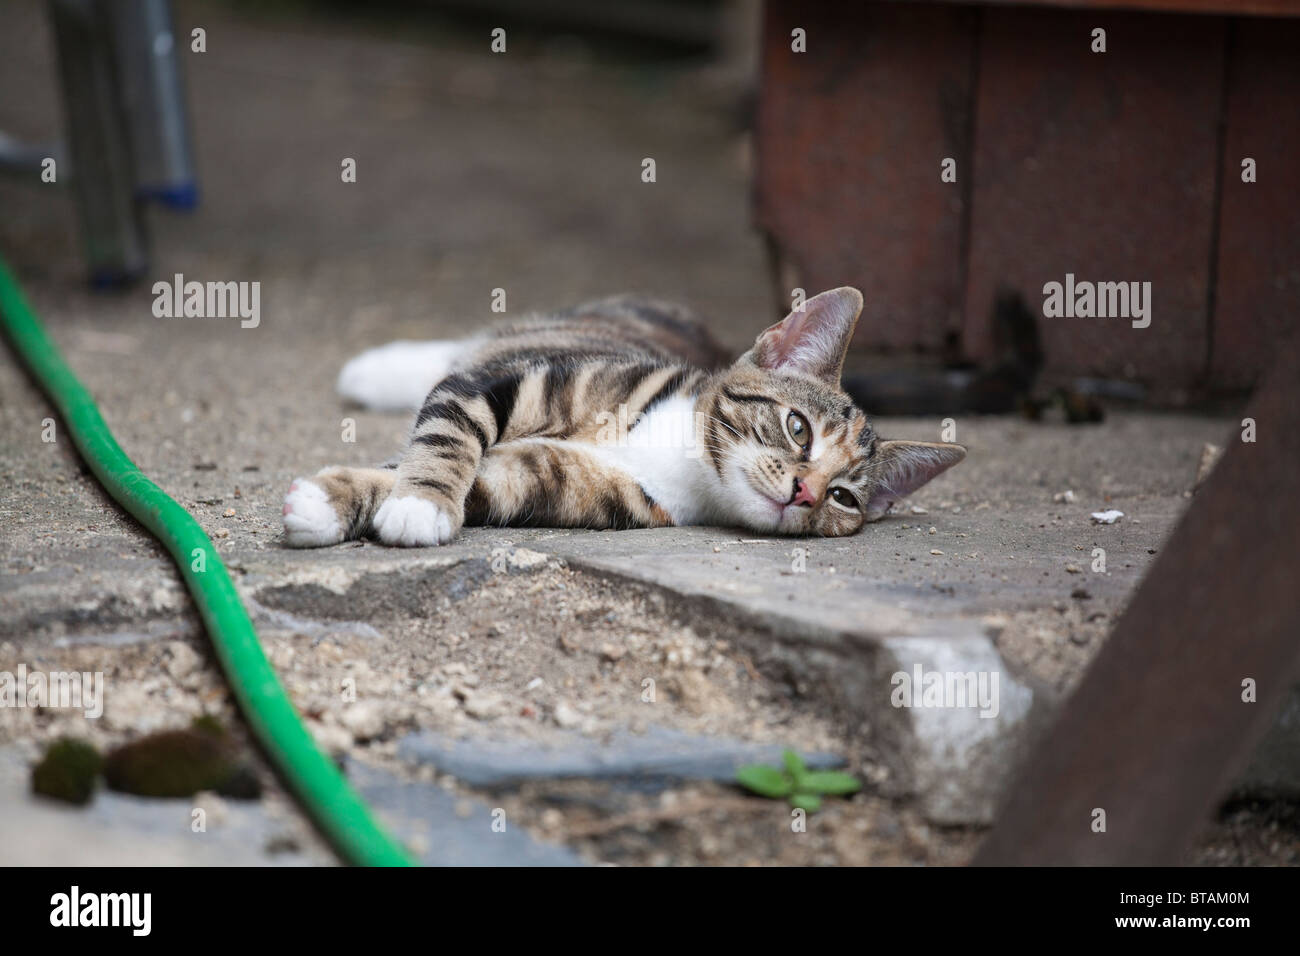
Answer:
(67, 771)
(180, 763)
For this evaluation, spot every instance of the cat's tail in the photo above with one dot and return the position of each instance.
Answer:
(335, 504)
(398, 376)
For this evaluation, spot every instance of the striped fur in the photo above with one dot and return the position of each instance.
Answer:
(617, 415)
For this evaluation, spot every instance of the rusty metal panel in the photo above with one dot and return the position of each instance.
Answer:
(1160, 727)
(1101, 165)
(1258, 284)
(851, 135)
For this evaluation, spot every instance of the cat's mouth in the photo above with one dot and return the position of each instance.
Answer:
(780, 504)
(759, 500)
(795, 488)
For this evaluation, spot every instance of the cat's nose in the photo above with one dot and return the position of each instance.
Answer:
(803, 493)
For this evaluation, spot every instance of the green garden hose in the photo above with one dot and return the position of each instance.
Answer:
(337, 810)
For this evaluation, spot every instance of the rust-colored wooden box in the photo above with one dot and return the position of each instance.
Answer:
(1117, 166)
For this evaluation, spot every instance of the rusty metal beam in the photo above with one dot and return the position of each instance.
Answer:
(1157, 731)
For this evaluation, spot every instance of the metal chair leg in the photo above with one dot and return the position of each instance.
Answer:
(153, 98)
(102, 173)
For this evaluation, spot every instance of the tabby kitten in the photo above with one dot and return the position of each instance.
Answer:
(612, 415)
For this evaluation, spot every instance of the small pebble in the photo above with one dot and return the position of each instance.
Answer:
(363, 719)
(484, 705)
(565, 716)
(182, 661)
(1210, 455)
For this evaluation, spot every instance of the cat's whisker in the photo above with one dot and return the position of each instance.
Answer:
(729, 428)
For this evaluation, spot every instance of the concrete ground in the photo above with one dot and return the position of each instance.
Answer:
(519, 172)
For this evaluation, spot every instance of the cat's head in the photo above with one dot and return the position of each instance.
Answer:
(793, 453)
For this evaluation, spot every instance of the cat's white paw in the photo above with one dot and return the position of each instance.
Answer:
(309, 519)
(412, 522)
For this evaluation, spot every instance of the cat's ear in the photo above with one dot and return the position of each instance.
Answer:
(811, 340)
(903, 466)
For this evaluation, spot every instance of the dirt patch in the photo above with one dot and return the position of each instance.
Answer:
(539, 653)
(1251, 832)
(1052, 645)
(535, 652)
(531, 649)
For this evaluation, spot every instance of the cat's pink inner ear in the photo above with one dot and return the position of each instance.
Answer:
(814, 339)
(904, 466)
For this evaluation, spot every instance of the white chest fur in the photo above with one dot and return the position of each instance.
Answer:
(661, 452)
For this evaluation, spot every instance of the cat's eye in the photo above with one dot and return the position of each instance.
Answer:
(798, 428)
(844, 499)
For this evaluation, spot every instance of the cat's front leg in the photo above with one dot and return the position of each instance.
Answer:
(459, 421)
(427, 504)
(416, 521)
(334, 505)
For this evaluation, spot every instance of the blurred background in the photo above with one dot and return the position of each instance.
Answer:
(515, 161)
(519, 170)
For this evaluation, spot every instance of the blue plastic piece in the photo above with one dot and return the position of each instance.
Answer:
(183, 196)
(108, 279)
